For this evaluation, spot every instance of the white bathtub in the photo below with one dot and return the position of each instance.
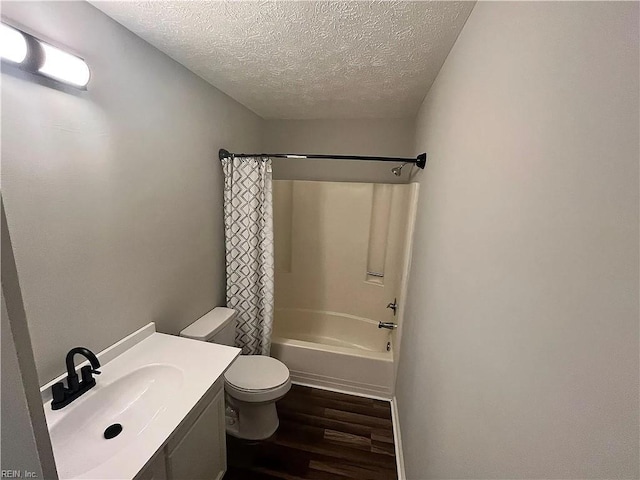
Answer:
(334, 350)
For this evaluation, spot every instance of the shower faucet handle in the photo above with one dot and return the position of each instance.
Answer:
(393, 306)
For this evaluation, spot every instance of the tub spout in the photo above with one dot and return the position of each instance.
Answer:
(387, 325)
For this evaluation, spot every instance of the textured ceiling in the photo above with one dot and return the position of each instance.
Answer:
(305, 59)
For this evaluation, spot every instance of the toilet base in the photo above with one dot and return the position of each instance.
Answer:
(251, 421)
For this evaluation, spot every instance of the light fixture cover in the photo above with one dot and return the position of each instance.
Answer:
(63, 66)
(13, 45)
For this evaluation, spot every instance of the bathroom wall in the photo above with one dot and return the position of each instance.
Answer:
(19, 450)
(520, 351)
(113, 195)
(26, 446)
(370, 137)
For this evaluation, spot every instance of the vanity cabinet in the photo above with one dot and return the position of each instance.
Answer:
(201, 453)
(155, 470)
(197, 449)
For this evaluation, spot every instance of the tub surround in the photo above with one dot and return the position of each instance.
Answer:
(176, 375)
(337, 270)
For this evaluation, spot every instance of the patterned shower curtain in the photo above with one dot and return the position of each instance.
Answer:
(248, 224)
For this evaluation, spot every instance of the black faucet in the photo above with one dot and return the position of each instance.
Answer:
(64, 396)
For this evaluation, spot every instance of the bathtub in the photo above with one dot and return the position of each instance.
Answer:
(334, 350)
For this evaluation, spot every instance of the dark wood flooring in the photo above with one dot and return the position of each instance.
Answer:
(322, 436)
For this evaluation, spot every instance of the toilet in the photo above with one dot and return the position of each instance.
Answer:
(252, 384)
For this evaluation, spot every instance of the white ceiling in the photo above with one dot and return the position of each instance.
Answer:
(305, 59)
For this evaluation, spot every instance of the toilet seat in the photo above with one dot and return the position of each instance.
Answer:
(257, 378)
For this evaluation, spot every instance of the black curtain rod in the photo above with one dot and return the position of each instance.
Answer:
(420, 161)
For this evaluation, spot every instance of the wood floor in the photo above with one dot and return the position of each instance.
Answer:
(322, 436)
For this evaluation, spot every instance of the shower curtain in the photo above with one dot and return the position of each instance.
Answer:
(248, 224)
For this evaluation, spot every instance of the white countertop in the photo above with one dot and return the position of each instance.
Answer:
(195, 365)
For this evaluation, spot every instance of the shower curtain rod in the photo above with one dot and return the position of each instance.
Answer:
(420, 161)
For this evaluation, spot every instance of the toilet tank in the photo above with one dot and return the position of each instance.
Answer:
(217, 326)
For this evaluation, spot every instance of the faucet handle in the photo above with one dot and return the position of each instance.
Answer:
(57, 392)
(86, 372)
(393, 306)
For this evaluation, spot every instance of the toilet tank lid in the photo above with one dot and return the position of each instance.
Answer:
(207, 326)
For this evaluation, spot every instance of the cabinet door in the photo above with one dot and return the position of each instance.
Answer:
(202, 452)
(156, 470)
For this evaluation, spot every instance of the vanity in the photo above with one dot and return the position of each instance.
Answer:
(197, 449)
(157, 412)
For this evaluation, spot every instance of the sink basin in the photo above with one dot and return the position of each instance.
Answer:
(150, 383)
(133, 400)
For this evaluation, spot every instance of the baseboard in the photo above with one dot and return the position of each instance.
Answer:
(397, 439)
(340, 386)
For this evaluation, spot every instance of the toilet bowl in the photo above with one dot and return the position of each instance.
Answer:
(252, 384)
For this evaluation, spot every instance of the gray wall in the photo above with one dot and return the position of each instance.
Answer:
(520, 349)
(383, 137)
(19, 451)
(26, 446)
(114, 195)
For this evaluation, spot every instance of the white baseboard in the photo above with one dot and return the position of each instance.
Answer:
(397, 439)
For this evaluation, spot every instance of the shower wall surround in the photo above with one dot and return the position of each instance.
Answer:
(333, 239)
(340, 252)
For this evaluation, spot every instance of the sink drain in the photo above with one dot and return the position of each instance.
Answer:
(112, 431)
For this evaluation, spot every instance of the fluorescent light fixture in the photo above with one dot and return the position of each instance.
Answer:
(13, 45)
(296, 156)
(63, 66)
(35, 56)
